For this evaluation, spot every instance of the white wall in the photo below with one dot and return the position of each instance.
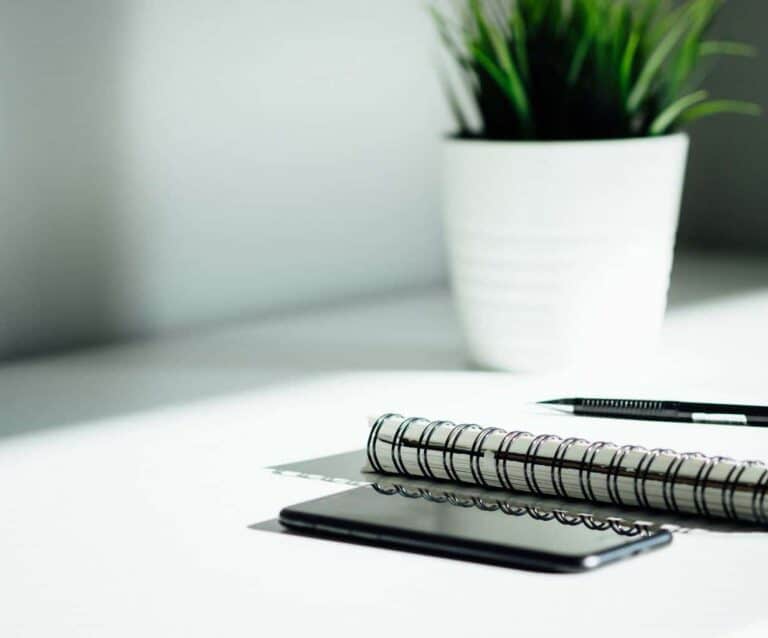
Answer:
(181, 162)
(170, 163)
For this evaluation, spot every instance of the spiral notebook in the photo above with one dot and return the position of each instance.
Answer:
(569, 468)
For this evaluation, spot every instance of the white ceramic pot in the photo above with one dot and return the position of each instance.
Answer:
(561, 252)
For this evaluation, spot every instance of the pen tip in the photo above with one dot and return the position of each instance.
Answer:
(558, 405)
(556, 402)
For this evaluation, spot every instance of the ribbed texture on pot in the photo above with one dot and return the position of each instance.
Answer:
(561, 251)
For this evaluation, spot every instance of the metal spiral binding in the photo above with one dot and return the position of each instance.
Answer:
(501, 467)
(585, 469)
(597, 525)
(450, 449)
(477, 452)
(570, 468)
(529, 468)
(373, 457)
(558, 460)
(614, 470)
(397, 448)
(668, 486)
(423, 447)
(759, 512)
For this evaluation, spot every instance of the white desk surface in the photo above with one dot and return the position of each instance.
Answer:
(130, 476)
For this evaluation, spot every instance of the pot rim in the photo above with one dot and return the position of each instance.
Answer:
(647, 139)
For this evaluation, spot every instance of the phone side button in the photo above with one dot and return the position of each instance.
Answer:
(329, 529)
(366, 536)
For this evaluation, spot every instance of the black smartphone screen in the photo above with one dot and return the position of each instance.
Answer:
(469, 529)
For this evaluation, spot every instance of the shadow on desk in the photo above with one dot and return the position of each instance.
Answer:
(410, 332)
(702, 278)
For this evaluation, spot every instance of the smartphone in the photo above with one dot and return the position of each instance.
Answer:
(470, 529)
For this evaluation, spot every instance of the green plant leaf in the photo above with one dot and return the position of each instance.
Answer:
(580, 53)
(582, 69)
(683, 64)
(515, 93)
(482, 27)
(685, 61)
(654, 62)
(620, 27)
(627, 63)
(647, 14)
(501, 50)
(715, 107)
(512, 83)
(535, 11)
(521, 44)
(668, 116)
(664, 18)
(722, 47)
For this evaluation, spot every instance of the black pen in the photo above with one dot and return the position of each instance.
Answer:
(653, 410)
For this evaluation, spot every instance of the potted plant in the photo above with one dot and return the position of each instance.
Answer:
(562, 184)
